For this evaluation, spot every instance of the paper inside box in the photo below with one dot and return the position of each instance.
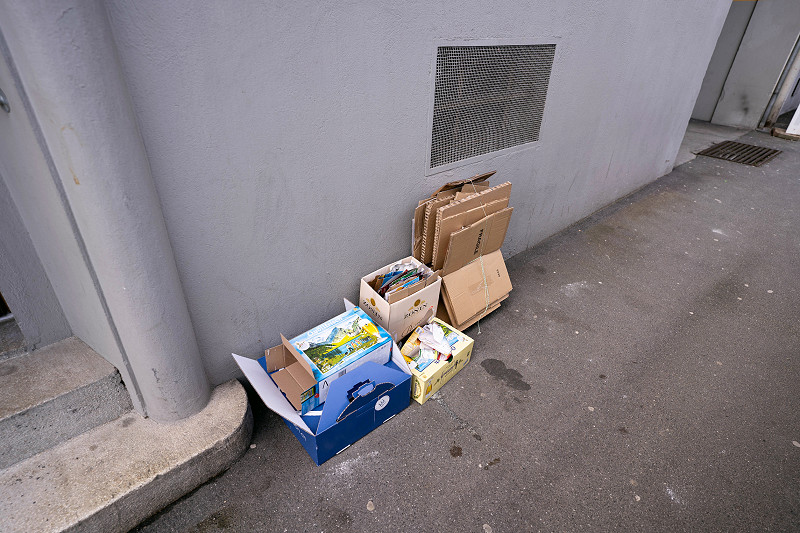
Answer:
(405, 309)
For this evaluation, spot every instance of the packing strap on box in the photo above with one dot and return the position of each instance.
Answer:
(485, 290)
(483, 271)
(473, 290)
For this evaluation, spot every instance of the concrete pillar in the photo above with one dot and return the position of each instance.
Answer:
(66, 58)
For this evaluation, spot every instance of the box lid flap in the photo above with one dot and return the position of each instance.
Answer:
(302, 360)
(270, 394)
(458, 183)
(303, 379)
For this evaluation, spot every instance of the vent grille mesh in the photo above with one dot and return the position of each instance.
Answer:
(488, 98)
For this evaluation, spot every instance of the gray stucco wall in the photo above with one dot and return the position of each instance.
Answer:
(288, 144)
(721, 60)
(24, 283)
(762, 55)
(44, 212)
(791, 103)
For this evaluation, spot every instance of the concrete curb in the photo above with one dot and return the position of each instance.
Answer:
(118, 474)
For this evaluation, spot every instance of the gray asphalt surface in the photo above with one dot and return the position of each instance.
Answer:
(644, 375)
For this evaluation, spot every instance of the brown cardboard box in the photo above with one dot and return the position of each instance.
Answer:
(476, 289)
(405, 309)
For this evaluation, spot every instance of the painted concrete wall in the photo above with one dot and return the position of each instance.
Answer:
(793, 101)
(69, 68)
(766, 45)
(29, 178)
(288, 143)
(23, 281)
(721, 60)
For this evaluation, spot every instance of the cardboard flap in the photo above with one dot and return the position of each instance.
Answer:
(481, 238)
(277, 358)
(476, 287)
(269, 393)
(429, 226)
(298, 357)
(418, 224)
(478, 178)
(348, 305)
(458, 221)
(289, 387)
(444, 315)
(406, 292)
(301, 376)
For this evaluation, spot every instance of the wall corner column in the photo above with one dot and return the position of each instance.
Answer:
(67, 61)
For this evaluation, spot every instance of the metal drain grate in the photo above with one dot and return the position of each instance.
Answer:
(488, 98)
(746, 154)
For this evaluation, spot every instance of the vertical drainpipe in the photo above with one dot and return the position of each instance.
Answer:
(67, 60)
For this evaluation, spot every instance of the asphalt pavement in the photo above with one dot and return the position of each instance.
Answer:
(643, 375)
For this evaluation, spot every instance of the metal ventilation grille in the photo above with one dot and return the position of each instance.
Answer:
(488, 98)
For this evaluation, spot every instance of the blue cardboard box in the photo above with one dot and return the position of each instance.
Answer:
(357, 402)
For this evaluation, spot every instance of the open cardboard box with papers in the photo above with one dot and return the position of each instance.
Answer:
(356, 403)
(404, 310)
(425, 382)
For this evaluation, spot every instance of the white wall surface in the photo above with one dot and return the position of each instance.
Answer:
(766, 45)
(23, 281)
(30, 185)
(721, 60)
(288, 141)
(791, 103)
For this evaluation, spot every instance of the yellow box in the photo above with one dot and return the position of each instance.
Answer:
(430, 380)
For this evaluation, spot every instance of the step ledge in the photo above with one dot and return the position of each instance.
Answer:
(118, 474)
(42, 376)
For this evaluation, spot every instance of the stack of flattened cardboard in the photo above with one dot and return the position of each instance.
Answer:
(459, 231)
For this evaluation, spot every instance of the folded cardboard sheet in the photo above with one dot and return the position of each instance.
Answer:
(444, 316)
(480, 238)
(423, 228)
(458, 214)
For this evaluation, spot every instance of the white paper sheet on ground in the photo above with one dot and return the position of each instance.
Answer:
(269, 392)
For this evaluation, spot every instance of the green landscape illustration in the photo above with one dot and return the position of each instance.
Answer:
(340, 343)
